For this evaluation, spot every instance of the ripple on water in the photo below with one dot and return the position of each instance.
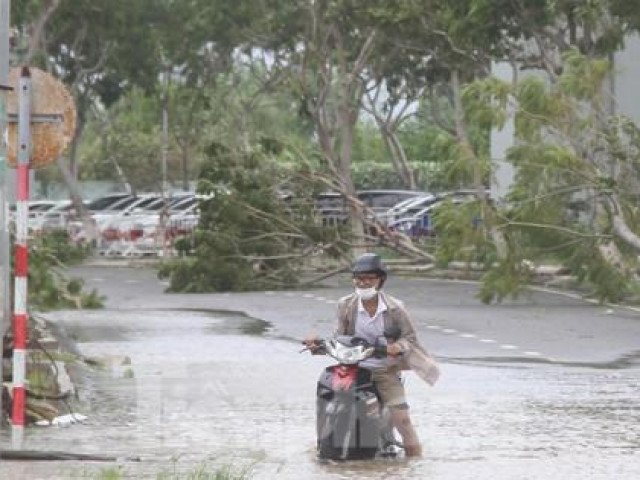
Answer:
(204, 394)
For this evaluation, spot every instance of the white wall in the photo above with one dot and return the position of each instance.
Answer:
(626, 84)
(626, 93)
(501, 141)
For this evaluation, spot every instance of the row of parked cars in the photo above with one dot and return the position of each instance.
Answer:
(130, 223)
(117, 218)
(407, 211)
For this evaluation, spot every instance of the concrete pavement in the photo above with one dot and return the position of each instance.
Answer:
(541, 326)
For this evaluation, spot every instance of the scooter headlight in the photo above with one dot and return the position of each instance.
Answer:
(348, 355)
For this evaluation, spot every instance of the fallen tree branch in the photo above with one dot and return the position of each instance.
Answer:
(324, 276)
(56, 455)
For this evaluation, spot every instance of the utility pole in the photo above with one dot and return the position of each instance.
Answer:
(5, 263)
(164, 215)
(165, 131)
(21, 255)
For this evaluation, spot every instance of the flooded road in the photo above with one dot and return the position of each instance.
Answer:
(543, 388)
(216, 388)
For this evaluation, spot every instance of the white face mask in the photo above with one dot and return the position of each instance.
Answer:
(366, 293)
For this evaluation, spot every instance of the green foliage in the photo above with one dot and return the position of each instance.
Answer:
(248, 236)
(59, 244)
(370, 175)
(41, 379)
(506, 279)
(461, 169)
(560, 206)
(131, 140)
(199, 472)
(537, 107)
(269, 112)
(485, 103)
(608, 283)
(461, 236)
(48, 287)
(583, 77)
(554, 177)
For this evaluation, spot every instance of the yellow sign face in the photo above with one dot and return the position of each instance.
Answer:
(54, 118)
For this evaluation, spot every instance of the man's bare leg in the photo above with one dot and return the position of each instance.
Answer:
(402, 422)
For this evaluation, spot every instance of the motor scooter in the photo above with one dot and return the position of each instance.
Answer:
(351, 422)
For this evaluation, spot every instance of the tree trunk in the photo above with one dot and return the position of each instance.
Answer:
(347, 121)
(461, 134)
(185, 168)
(406, 173)
(76, 198)
(388, 126)
(487, 211)
(73, 149)
(36, 30)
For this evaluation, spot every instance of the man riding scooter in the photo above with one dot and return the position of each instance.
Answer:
(368, 313)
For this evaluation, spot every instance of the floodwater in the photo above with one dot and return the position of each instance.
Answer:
(212, 389)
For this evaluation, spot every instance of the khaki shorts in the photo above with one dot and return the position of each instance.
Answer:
(389, 386)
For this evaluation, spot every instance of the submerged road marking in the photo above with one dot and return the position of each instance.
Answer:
(468, 335)
(487, 340)
(509, 347)
(449, 330)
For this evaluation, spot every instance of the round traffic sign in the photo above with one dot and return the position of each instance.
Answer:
(49, 96)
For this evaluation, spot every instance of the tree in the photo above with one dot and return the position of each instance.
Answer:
(249, 235)
(574, 195)
(322, 51)
(127, 137)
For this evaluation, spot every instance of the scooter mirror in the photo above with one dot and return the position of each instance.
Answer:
(355, 341)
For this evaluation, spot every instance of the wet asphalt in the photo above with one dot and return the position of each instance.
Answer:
(543, 387)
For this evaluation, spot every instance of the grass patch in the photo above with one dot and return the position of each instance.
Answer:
(201, 472)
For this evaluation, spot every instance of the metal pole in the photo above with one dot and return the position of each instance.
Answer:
(20, 316)
(165, 147)
(165, 132)
(5, 315)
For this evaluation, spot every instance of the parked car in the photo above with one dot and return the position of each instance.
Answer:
(380, 201)
(122, 207)
(54, 218)
(409, 207)
(106, 201)
(140, 233)
(143, 219)
(333, 208)
(418, 224)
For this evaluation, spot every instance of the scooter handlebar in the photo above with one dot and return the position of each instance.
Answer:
(380, 351)
(317, 346)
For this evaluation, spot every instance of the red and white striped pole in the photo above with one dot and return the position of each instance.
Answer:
(20, 317)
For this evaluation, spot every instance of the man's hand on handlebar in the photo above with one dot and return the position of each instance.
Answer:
(394, 349)
(314, 345)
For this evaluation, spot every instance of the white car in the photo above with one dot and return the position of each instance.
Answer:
(140, 234)
(419, 223)
(54, 218)
(409, 207)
